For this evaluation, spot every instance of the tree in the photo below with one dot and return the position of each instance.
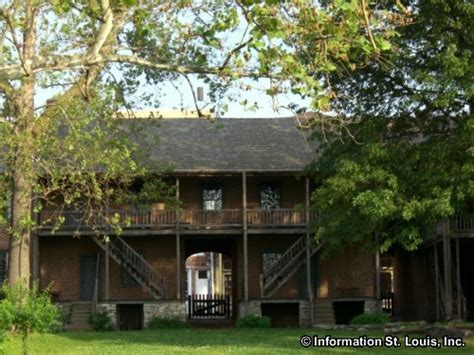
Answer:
(24, 311)
(96, 53)
(404, 159)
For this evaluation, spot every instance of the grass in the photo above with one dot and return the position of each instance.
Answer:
(202, 341)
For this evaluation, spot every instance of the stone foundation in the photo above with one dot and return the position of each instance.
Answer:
(250, 307)
(110, 309)
(305, 314)
(372, 305)
(164, 309)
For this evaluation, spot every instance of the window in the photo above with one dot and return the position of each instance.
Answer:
(269, 259)
(212, 197)
(269, 196)
(3, 266)
(202, 274)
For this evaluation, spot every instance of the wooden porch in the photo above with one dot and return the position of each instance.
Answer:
(172, 219)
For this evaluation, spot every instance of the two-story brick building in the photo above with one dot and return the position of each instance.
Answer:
(243, 195)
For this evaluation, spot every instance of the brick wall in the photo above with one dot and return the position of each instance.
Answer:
(60, 263)
(349, 273)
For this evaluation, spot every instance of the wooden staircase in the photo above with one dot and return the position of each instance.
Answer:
(324, 311)
(285, 266)
(80, 314)
(145, 274)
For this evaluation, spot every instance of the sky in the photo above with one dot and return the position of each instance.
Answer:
(178, 96)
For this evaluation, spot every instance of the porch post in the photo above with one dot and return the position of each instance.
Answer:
(448, 285)
(107, 256)
(377, 269)
(308, 254)
(107, 273)
(458, 281)
(35, 247)
(244, 225)
(435, 250)
(178, 248)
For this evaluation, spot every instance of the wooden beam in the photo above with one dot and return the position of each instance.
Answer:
(178, 266)
(35, 257)
(458, 282)
(448, 284)
(107, 272)
(107, 254)
(245, 239)
(178, 248)
(34, 239)
(377, 268)
(309, 285)
(438, 310)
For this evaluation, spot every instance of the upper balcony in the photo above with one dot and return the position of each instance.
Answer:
(457, 226)
(163, 221)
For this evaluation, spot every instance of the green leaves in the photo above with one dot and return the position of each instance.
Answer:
(397, 189)
(25, 310)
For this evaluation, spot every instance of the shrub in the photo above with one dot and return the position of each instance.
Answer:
(167, 323)
(253, 321)
(371, 318)
(101, 322)
(25, 310)
(63, 320)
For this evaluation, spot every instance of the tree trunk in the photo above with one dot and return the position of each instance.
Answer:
(22, 165)
(20, 240)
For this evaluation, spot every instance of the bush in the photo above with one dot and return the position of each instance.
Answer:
(25, 310)
(167, 323)
(253, 321)
(371, 318)
(101, 322)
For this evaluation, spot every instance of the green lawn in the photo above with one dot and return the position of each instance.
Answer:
(200, 341)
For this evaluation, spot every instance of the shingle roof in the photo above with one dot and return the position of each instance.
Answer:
(227, 145)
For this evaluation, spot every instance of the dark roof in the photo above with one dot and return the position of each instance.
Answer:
(227, 145)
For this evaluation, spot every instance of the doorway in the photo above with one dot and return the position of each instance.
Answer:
(88, 276)
(208, 285)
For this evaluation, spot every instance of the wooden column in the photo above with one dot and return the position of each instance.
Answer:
(377, 268)
(107, 254)
(448, 284)
(435, 249)
(34, 242)
(458, 281)
(178, 248)
(107, 273)
(308, 254)
(245, 241)
(35, 257)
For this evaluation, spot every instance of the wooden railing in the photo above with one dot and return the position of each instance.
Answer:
(278, 217)
(282, 269)
(256, 218)
(462, 223)
(211, 217)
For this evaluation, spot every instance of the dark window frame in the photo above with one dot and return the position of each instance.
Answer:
(212, 186)
(275, 184)
(277, 253)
